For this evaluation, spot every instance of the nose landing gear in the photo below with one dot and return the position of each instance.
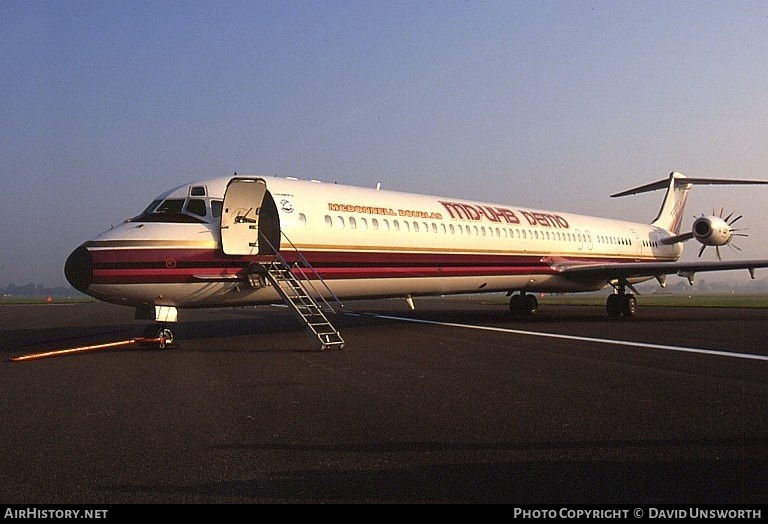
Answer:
(158, 336)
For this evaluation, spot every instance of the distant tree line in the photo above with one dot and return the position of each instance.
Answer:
(706, 283)
(37, 290)
(702, 283)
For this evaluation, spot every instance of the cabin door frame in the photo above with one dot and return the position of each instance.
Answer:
(248, 216)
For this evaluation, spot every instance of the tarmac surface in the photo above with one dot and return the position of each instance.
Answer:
(436, 411)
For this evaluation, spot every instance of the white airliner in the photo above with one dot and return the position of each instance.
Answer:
(238, 241)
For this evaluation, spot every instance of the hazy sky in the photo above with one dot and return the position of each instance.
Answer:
(547, 104)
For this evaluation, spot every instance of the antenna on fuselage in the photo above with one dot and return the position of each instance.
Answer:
(378, 186)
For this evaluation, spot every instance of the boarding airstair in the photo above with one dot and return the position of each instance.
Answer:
(301, 294)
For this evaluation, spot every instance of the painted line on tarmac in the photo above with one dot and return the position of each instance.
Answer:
(682, 349)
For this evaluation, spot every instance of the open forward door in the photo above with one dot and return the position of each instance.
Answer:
(249, 219)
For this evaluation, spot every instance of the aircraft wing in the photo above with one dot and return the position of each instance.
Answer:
(623, 271)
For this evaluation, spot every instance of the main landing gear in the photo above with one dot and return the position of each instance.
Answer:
(621, 304)
(523, 305)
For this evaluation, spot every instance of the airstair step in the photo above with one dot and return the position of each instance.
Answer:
(304, 306)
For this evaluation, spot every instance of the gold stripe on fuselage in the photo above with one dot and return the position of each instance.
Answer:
(201, 244)
(210, 244)
(452, 251)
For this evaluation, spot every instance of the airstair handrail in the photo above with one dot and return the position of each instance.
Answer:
(302, 261)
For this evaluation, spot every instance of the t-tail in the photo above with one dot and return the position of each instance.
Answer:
(670, 215)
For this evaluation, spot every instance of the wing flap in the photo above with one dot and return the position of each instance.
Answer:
(627, 270)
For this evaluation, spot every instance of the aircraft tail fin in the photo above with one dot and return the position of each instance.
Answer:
(670, 215)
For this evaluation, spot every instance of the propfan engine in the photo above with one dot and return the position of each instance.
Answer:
(714, 230)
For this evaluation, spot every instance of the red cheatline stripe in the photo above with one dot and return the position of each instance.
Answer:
(167, 276)
(157, 258)
(168, 266)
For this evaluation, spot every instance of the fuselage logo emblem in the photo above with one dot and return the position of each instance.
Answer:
(286, 205)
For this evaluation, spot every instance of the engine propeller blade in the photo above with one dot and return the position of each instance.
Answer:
(729, 221)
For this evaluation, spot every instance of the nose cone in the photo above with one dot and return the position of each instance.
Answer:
(79, 269)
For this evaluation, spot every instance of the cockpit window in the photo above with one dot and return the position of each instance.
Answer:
(171, 205)
(170, 210)
(151, 207)
(196, 206)
(197, 191)
(216, 206)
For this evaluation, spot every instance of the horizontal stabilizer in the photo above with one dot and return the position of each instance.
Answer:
(677, 185)
(663, 184)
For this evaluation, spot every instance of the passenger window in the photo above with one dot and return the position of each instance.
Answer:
(302, 219)
(352, 223)
(328, 221)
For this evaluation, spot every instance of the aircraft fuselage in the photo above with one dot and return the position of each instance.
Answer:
(364, 243)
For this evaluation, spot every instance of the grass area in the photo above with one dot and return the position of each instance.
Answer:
(661, 300)
(671, 300)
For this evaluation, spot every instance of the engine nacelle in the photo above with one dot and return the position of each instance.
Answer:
(712, 231)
